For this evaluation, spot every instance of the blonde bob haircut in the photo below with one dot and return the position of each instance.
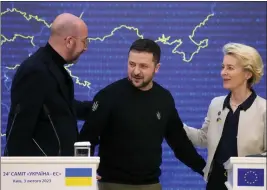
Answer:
(249, 58)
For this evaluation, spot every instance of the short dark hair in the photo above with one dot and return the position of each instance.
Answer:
(149, 46)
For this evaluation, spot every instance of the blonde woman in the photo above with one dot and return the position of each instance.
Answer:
(235, 124)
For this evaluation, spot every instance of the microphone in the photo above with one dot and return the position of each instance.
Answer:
(49, 117)
(17, 110)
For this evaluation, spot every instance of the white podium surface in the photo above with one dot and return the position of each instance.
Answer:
(246, 173)
(49, 173)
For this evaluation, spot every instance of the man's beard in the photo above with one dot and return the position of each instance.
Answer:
(75, 58)
(143, 83)
(74, 61)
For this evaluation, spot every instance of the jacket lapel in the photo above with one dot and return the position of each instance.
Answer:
(60, 79)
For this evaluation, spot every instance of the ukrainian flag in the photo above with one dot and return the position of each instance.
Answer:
(78, 176)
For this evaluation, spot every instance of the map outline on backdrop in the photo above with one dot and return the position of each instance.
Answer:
(162, 39)
(175, 48)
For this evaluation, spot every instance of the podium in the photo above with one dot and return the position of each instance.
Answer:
(246, 173)
(49, 173)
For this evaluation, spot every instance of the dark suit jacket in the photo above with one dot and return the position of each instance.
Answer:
(41, 81)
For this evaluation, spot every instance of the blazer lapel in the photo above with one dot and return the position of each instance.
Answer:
(60, 79)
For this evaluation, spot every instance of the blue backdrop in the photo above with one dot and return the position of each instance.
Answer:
(191, 35)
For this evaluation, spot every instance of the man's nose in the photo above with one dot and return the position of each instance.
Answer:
(86, 45)
(136, 70)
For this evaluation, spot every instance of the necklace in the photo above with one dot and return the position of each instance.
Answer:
(235, 104)
(232, 104)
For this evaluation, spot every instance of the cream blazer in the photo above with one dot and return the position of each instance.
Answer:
(251, 137)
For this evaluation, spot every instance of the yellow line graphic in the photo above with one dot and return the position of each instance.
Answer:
(114, 30)
(77, 80)
(163, 39)
(5, 39)
(179, 42)
(27, 17)
(14, 67)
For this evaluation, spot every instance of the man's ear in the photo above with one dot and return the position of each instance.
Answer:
(157, 67)
(69, 41)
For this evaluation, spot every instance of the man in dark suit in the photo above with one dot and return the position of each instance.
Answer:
(43, 115)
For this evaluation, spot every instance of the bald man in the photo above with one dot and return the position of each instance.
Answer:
(43, 116)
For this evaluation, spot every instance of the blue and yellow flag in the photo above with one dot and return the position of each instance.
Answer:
(78, 176)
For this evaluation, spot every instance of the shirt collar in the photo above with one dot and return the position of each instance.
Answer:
(55, 56)
(245, 105)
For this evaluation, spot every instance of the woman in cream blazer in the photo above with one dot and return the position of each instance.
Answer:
(235, 124)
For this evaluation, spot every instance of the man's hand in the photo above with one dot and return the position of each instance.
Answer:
(98, 177)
